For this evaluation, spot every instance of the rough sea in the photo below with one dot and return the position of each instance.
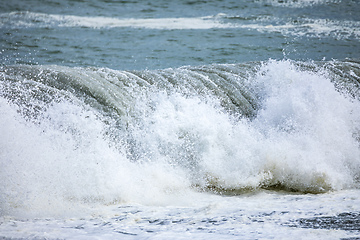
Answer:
(183, 119)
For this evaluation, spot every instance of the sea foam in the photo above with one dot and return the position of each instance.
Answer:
(70, 153)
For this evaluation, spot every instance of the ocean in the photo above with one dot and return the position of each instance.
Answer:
(184, 119)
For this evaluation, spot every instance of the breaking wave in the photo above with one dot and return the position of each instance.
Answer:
(96, 135)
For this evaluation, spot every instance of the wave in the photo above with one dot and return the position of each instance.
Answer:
(289, 27)
(100, 136)
(32, 19)
(308, 27)
(298, 4)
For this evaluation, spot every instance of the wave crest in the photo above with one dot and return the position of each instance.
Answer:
(105, 136)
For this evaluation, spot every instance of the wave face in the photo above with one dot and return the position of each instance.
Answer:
(102, 136)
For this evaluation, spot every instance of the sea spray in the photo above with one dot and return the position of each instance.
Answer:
(75, 138)
(311, 126)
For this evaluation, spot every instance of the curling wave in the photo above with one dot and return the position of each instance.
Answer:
(98, 135)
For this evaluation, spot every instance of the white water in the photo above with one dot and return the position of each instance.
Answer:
(183, 150)
(31, 19)
(300, 28)
(302, 138)
(299, 4)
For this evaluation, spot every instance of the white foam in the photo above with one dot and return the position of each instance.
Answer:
(302, 137)
(31, 19)
(65, 166)
(310, 126)
(65, 162)
(308, 27)
(303, 27)
(297, 3)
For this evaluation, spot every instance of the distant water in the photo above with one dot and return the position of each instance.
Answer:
(180, 119)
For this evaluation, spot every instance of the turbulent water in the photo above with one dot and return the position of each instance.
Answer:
(180, 119)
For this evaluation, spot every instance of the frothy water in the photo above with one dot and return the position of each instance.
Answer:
(168, 140)
(299, 4)
(299, 28)
(31, 19)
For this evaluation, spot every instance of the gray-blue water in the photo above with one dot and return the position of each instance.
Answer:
(71, 33)
(129, 119)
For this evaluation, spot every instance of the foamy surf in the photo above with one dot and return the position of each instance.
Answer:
(299, 28)
(299, 4)
(32, 19)
(99, 136)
